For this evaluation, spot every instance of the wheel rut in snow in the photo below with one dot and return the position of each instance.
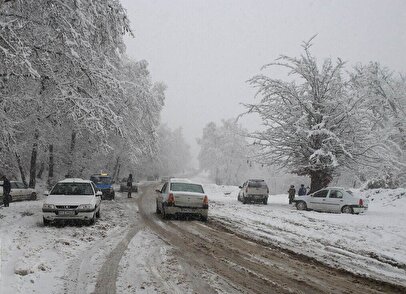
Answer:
(248, 266)
(107, 276)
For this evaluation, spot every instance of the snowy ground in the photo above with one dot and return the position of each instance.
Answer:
(149, 266)
(370, 244)
(73, 258)
(57, 258)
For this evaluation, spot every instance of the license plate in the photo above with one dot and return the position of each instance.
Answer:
(66, 212)
(185, 210)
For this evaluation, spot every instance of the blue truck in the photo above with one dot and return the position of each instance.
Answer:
(104, 183)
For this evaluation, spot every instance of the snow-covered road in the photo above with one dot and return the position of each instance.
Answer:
(370, 244)
(132, 250)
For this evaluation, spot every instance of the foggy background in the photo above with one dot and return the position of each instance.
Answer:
(204, 51)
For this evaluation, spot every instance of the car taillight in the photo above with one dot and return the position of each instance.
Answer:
(171, 199)
(246, 190)
(361, 202)
(206, 201)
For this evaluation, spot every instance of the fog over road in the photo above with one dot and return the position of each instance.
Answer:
(211, 259)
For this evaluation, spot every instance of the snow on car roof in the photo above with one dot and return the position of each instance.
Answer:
(74, 180)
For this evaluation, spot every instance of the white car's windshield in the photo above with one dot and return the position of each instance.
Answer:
(72, 189)
(186, 187)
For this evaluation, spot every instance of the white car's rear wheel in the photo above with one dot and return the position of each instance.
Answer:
(158, 211)
(164, 214)
(347, 209)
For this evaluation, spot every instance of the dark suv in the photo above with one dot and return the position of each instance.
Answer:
(104, 183)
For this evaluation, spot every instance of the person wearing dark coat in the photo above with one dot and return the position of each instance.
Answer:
(6, 191)
(129, 185)
(291, 192)
(302, 191)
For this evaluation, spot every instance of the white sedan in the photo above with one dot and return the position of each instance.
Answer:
(182, 197)
(19, 191)
(332, 199)
(72, 199)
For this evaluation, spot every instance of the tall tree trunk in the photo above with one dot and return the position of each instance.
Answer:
(115, 175)
(33, 166)
(118, 172)
(51, 166)
(71, 154)
(41, 170)
(21, 168)
(319, 180)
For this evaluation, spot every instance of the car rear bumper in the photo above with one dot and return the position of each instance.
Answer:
(359, 209)
(173, 210)
(107, 194)
(251, 197)
(125, 189)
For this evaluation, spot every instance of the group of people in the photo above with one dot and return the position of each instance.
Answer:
(292, 192)
(6, 191)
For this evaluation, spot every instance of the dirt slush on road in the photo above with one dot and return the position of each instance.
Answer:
(213, 259)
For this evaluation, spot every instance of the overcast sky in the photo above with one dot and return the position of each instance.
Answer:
(204, 51)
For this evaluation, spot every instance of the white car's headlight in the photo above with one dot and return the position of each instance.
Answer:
(48, 206)
(85, 206)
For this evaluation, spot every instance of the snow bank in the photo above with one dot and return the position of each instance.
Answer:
(370, 244)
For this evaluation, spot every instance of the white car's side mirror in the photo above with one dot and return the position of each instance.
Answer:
(99, 193)
(46, 193)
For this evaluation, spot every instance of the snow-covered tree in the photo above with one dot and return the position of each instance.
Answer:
(67, 89)
(224, 152)
(382, 98)
(310, 126)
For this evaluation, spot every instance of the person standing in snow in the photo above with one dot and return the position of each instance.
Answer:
(302, 191)
(6, 191)
(130, 185)
(291, 192)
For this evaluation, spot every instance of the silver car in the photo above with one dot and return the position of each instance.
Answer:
(19, 192)
(254, 191)
(182, 197)
(72, 199)
(332, 199)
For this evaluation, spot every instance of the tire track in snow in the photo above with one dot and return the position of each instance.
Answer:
(107, 276)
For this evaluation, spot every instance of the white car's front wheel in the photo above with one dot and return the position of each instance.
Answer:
(46, 222)
(301, 205)
(92, 220)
